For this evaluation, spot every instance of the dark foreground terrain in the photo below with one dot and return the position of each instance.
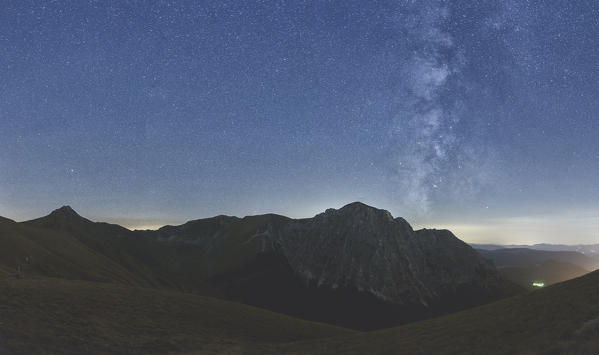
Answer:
(61, 316)
(560, 319)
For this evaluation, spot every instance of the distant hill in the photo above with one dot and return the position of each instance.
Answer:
(547, 272)
(28, 250)
(486, 246)
(66, 245)
(525, 266)
(523, 256)
(590, 250)
(357, 266)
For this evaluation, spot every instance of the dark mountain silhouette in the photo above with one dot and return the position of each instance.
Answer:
(357, 266)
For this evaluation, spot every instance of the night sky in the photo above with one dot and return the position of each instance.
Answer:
(481, 117)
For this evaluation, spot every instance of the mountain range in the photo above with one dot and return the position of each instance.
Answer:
(591, 250)
(525, 266)
(356, 267)
(224, 284)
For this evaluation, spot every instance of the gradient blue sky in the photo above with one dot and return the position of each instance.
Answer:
(476, 116)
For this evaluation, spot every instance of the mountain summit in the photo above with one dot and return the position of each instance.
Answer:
(65, 211)
(357, 263)
(366, 248)
(63, 217)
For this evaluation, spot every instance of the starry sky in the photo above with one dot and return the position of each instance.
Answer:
(481, 117)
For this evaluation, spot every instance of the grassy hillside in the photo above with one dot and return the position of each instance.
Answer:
(153, 264)
(65, 245)
(27, 251)
(141, 259)
(62, 316)
(563, 318)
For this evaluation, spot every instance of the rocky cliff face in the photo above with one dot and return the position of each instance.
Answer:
(366, 248)
(357, 266)
(355, 247)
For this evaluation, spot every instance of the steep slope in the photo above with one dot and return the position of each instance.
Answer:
(76, 317)
(222, 243)
(563, 318)
(357, 266)
(152, 263)
(29, 251)
(365, 247)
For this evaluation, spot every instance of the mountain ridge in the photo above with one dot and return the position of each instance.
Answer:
(321, 268)
(357, 251)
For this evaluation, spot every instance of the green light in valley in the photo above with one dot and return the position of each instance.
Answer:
(538, 284)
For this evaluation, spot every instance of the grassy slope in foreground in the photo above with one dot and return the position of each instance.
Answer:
(560, 318)
(55, 253)
(62, 316)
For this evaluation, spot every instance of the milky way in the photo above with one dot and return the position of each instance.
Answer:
(424, 131)
(148, 113)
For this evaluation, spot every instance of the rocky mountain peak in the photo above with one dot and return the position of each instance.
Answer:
(356, 248)
(65, 211)
(358, 211)
(63, 217)
(367, 248)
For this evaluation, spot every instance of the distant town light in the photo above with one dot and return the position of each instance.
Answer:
(538, 284)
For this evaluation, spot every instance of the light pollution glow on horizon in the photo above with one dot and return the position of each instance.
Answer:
(579, 227)
(506, 231)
